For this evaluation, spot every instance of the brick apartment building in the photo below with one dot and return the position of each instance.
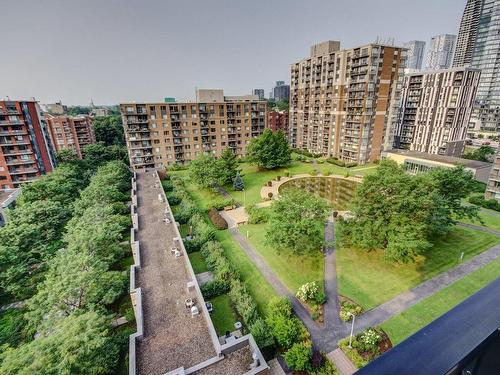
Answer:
(162, 134)
(278, 120)
(342, 102)
(26, 151)
(68, 132)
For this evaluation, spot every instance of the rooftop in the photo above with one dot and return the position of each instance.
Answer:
(8, 196)
(474, 164)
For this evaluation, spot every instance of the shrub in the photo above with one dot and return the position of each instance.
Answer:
(335, 161)
(219, 205)
(202, 231)
(347, 308)
(351, 164)
(269, 183)
(326, 369)
(270, 195)
(214, 288)
(261, 333)
(216, 219)
(280, 306)
(370, 339)
(244, 304)
(311, 292)
(478, 200)
(167, 185)
(299, 356)
(257, 215)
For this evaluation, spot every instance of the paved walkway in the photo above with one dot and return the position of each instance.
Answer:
(409, 298)
(478, 227)
(342, 362)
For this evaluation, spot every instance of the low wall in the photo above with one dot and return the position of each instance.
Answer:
(135, 293)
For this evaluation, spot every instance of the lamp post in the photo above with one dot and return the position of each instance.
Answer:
(244, 198)
(352, 329)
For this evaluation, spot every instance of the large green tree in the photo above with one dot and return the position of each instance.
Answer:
(270, 150)
(109, 130)
(483, 153)
(204, 171)
(227, 166)
(296, 222)
(400, 213)
(78, 344)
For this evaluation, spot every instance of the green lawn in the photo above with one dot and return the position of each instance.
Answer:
(293, 270)
(198, 262)
(405, 324)
(369, 280)
(489, 221)
(223, 316)
(256, 284)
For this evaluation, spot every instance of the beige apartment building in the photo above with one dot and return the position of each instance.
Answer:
(435, 110)
(493, 184)
(163, 134)
(70, 132)
(342, 102)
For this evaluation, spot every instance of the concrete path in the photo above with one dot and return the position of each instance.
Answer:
(409, 298)
(204, 277)
(342, 362)
(478, 227)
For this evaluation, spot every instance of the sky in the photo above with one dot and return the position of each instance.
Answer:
(113, 51)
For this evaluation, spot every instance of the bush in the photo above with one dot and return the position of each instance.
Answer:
(261, 333)
(299, 356)
(270, 195)
(216, 219)
(478, 200)
(214, 288)
(351, 164)
(219, 205)
(257, 215)
(285, 327)
(167, 185)
(244, 304)
(335, 161)
(347, 308)
(311, 292)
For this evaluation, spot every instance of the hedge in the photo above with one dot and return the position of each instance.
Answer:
(216, 219)
(215, 288)
(257, 215)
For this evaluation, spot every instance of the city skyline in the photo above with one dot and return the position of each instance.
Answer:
(116, 51)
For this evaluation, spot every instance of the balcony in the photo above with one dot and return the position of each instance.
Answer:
(14, 161)
(23, 171)
(19, 152)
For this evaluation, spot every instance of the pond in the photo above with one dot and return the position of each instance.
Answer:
(338, 191)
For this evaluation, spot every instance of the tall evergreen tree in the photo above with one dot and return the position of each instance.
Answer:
(227, 166)
(238, 182)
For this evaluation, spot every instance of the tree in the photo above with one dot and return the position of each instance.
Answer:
(270, 150)
(227, 166)
(204, 171)
(66, 155)
(296, 222)
(299, 356)
(98, 154)
(78, 344)
(261, 333)
(238, 184)
(482, 153)
(400, 213)
(109, 130)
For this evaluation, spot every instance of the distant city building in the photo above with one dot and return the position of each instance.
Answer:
(68, 132)
(415, 54)
(493, 185)
(467, 33)
(416, 162)
(98, 112)
(278, 120)
(440, 53)
(7, 201)
(26, 151)
(162, 134)
(259, 93)
(281, 91)
(479, 41)
(435, 109)
(56, 108)
(342, 102)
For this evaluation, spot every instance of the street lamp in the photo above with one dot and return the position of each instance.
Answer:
(352, 329)
(244, 198)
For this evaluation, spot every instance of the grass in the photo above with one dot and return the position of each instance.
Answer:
(184, 230)
(223, 315)
(293, 270)
(369, 280)
(256, 284)
(410, 321)
(489, 220)
(197, 262)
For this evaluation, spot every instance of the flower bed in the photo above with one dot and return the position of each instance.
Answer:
(348, 308)
(366, 346)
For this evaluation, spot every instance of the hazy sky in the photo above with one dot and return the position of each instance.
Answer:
(115, 51)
